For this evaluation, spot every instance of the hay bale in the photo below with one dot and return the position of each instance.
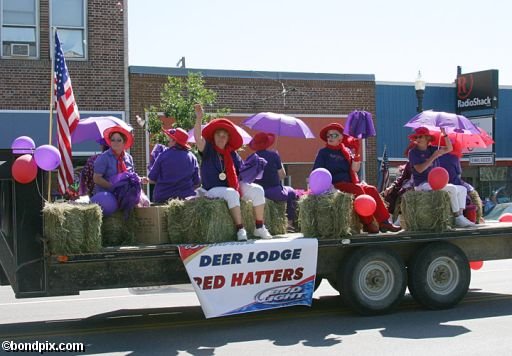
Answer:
(475, 199)
(274, 217)
(426, 211)
(72, 228)
(199, 220)
(328, 216)
(118, 231)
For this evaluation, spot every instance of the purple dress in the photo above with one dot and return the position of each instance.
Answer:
(335, 163)
(417, 156)
(271, 183)
(452, 165)
(106, 165)
(176, 173)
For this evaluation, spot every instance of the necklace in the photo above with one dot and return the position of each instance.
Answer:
(222, 174)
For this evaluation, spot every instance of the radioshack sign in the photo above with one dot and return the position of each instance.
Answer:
(478, 90)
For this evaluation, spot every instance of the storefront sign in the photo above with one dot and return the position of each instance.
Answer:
(478, 90)
(242, 277)
(481, 160)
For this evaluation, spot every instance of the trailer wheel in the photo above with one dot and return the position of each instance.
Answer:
(439, 275)
(373, 280)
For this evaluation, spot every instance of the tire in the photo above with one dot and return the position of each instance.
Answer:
(373, 280)
(439, 275)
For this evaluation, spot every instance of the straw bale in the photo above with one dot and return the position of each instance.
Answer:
(475, 199)
(118, 231)
(426, 211)
(72, 228)
(274, 217)
(328, 216)
(199, 220)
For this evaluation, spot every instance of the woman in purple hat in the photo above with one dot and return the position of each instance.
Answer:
(423, 158)
(175, 171)
(220, 166)
(115, 160)
(273, 173)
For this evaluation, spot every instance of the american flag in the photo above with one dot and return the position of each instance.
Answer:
(67, 116)
(384, 170)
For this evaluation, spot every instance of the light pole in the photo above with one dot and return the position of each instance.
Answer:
(419, 85)
(143, 123)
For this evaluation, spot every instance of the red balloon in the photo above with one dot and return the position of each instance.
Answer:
(476, 265)
(365, 205)
(507, 217)
(24, 169)
(438, 178)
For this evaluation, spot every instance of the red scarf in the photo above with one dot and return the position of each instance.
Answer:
(121, 166)
(229, 165)
(346, 153)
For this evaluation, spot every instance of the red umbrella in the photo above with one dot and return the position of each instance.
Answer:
(466, 140)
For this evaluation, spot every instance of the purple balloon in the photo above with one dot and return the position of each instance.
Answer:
(320, 181)
(22, 145)
(47, 157)
(107, 201)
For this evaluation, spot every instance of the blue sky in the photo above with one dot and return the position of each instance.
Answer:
(392, 39)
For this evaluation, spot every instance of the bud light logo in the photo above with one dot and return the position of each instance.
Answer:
(278, 295)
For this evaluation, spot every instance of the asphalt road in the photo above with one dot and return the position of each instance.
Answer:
(169, 321)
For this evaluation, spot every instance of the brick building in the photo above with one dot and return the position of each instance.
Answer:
(94, 40)
(317, 99)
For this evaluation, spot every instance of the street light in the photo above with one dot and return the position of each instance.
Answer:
(419, 85)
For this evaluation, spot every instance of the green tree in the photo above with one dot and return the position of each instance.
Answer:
(177, 100)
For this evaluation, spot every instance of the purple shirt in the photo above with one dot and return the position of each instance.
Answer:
(335, 163)
(452, 164)
(270, 176)
(212, 165)
(176, 173)
(417, 156)
(106, 165)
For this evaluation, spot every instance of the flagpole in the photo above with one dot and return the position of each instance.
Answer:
(52, 90)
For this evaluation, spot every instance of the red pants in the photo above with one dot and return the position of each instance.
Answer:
(381, 213)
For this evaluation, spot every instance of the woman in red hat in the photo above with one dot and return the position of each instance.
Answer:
(175, 171)
(115, 160)
(423, 158)
(220, 166)
(343, 166)
(273, 173)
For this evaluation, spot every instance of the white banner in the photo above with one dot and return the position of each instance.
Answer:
(242, 277)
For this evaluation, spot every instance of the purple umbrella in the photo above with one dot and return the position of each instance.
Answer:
(453, 122)
(359, 124)
(245, 136)
(278, 124)
(92, 128)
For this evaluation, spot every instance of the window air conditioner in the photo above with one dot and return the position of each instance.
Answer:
(20, 49)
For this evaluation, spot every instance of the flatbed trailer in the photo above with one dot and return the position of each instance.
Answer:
(371, 272)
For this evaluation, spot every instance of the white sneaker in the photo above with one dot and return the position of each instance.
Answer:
(241, 235)
(461, 221)
(262, 233)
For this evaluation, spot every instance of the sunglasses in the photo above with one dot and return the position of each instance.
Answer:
(333, 136)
